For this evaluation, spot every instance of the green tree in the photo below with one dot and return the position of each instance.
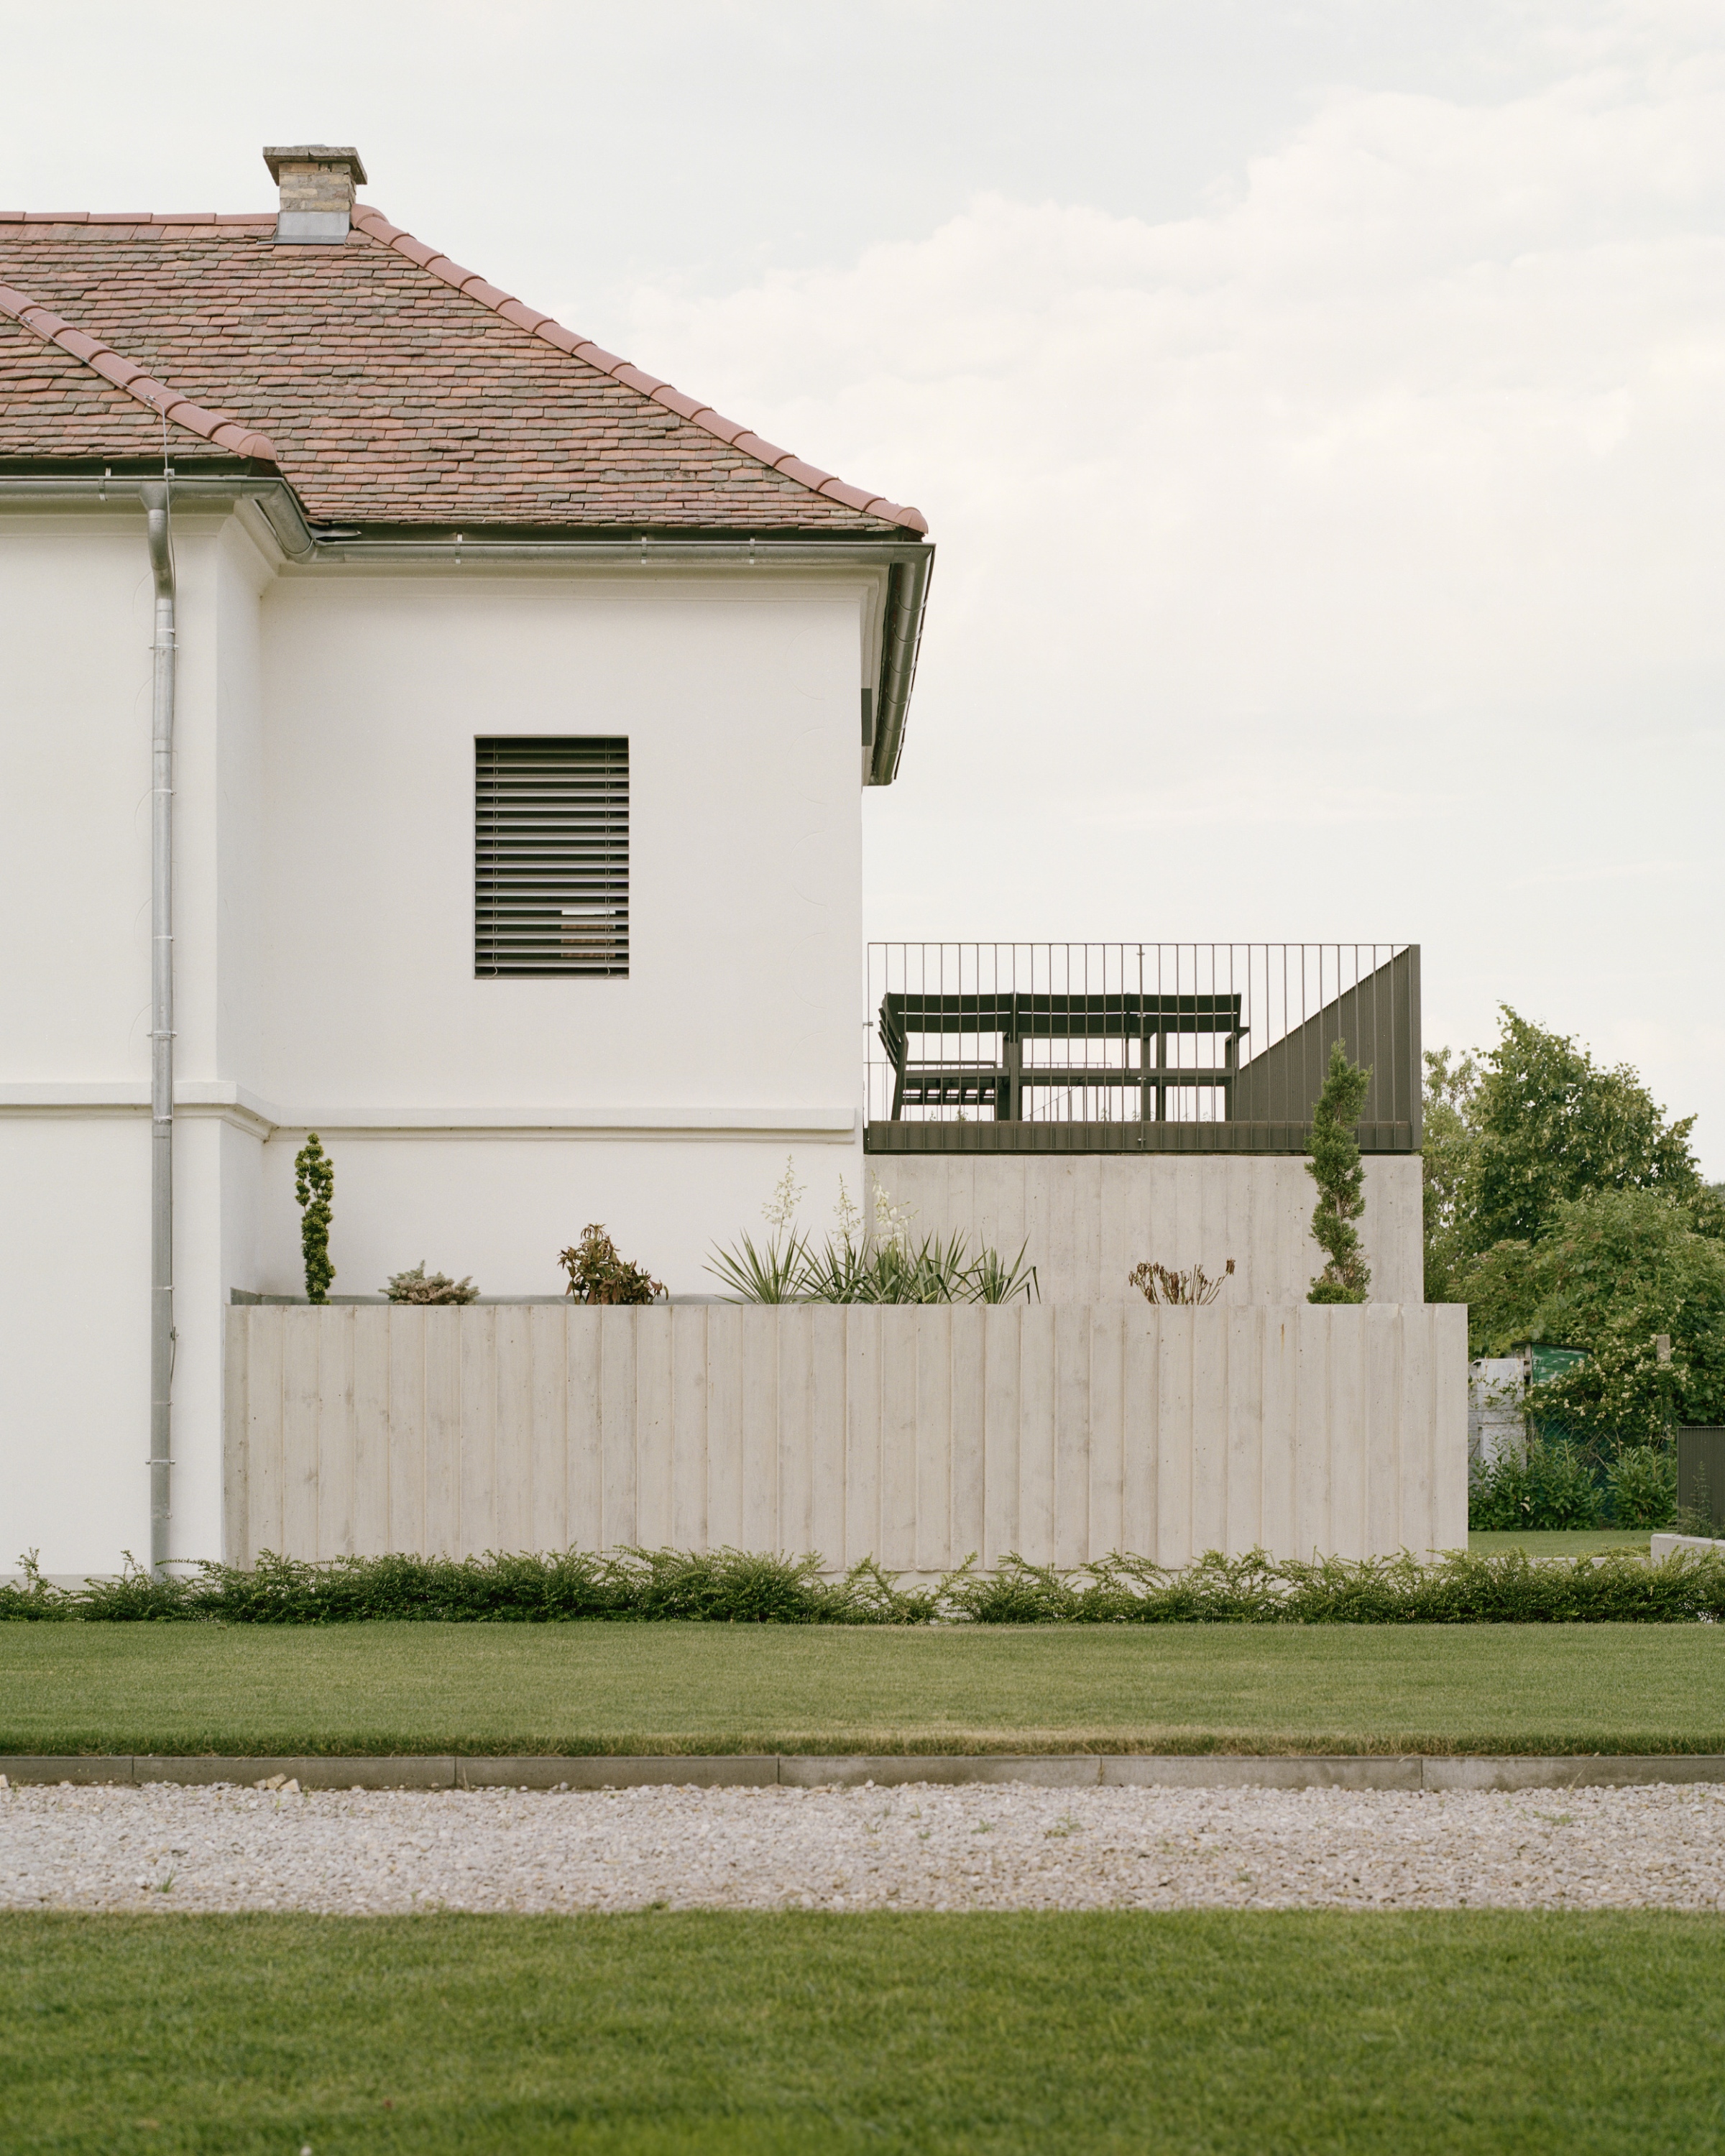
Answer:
(1548, 1126)
(1614, 1270)
(1335, 1168)
(1446, 1147)
(315, 1187)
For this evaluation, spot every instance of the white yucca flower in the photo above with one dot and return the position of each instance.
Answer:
(780, 1209)
(892, 1223)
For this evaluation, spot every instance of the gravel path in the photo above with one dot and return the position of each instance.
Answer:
(1002, 1846)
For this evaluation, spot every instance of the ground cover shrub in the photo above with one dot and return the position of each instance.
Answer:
(416, 1284)
(1553, 1486)
(741, 1587)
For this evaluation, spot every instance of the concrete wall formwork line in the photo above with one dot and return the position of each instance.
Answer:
(915, 1436)
(1089, 1219)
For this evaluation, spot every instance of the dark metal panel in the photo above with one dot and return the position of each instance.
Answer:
(1377, 1020)
(1700, 1471)
(886, 1136)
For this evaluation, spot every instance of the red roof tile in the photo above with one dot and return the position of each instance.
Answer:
(389, 384)
(217, 428)
(52, 405)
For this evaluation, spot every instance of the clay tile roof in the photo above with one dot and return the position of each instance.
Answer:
(52, 405)
(389, 384)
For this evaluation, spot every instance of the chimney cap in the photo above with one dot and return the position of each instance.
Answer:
(314, 153)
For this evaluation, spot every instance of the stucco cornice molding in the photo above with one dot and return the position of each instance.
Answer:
(225, 1102)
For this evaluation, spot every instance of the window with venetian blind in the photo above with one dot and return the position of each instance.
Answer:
(551, 855)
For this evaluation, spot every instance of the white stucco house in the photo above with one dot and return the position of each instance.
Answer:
(424, 726)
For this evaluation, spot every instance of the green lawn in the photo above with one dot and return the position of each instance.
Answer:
(1575, 1541)
(674, 1688)
(1450, 2032)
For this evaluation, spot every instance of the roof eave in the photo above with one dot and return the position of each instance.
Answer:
(908, 560)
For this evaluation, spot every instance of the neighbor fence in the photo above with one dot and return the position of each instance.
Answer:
(915, 1436)
(1700, 1471)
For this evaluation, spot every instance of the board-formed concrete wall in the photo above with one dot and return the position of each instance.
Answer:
(915, 1436)
(1086, 1219)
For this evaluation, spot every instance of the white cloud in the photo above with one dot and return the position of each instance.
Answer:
(1374, 515)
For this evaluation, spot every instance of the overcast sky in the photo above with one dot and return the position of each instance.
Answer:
(1319, 409)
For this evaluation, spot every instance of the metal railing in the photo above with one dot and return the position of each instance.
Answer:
(1134, 1047)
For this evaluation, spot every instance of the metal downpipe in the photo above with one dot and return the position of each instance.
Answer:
(162, 1026)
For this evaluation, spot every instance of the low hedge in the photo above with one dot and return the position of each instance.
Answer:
(737, 1587)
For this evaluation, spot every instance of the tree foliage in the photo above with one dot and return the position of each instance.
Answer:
(1534, 1124)
(1551, 1125)
(315, 1188)
(1614, 1270)
(1451, 1084)
(1335, 1168)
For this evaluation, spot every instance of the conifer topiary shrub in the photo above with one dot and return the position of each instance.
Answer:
(1335, 1168)
(315, 1187)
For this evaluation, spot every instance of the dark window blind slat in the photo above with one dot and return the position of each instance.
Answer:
(551, 855)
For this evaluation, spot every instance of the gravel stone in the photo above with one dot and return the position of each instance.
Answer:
(914, 1847)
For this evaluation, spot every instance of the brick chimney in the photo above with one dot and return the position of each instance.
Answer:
(316, 184)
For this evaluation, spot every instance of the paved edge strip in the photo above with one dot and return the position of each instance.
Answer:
(1205, 1770)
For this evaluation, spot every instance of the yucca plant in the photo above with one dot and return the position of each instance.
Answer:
(886, 1265)
(995, 1281)
(837, 1270)
(781, 1272)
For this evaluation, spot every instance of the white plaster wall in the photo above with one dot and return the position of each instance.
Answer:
(75, 626)
(324, 936)
(75, 601)
(500, 1208)
(740, 702)
(1088, 1219)
(75, 1341)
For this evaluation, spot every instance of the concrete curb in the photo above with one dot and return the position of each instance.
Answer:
(1209, 1770)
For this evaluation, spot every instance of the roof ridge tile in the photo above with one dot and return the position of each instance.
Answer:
(376, 226)
(126, 375)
